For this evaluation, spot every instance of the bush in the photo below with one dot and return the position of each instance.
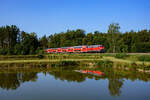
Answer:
(133, 66)
(40, 56)
(121, 55)
(3, 51)
(66, 63)
(71, 63)
(144, 58)
(105, 63)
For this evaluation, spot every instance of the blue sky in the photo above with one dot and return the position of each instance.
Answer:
(53, 16)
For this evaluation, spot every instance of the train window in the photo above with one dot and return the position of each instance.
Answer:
(95, 46)
(100, 45)
(77, 46)
(91, 46)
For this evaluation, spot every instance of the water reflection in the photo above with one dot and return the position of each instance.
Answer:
(93, 72)
(12, 79)
(115, 86)
(68, 75)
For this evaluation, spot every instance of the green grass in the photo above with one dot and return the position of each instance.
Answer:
(118, 60)
(105, 63)
(121, 55)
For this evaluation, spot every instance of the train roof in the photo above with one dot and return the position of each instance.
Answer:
(77, 46)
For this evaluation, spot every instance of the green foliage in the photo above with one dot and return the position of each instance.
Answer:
(143, 47)
(3, 51)
(66, 63)
(113, 37)
(121, 55)
(144, 58)
(43, 42)
(105, 63)
(40, 56)
(40, 51)
(69, 38)
(17, 49)
(14, 41)
(123, 48)
(29, 43)
(8, 36)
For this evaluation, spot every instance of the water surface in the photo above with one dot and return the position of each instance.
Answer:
(64, 84)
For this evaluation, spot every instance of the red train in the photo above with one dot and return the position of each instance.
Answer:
(77, 49)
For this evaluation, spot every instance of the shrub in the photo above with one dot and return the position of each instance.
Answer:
(147, 67)
(3, 51)
(71, 63)
(66, 63)
(105, 63)
(121, 55)
(101, 56)
(144, 58)
(133, 66)
(40, 56)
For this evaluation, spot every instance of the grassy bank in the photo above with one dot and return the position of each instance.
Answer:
(124, 58)
(140, 61)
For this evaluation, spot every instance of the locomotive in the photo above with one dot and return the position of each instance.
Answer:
(77, 49)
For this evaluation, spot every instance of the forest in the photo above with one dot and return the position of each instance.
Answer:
(16, 42)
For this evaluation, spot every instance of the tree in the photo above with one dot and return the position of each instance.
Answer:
(29, 43)
(113, 36)
(43, 42)
(12, 41)
(88, 39)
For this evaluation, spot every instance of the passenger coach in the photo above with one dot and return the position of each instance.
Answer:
(77, 49)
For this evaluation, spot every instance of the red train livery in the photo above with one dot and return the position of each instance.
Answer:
(77, 49)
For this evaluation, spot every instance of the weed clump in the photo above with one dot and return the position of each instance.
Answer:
(105, 63)
(121, 55)
(66, 63)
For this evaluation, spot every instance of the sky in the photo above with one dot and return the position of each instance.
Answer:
(47, 17)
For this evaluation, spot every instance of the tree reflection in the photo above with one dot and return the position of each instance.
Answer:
(14, 80)
(9, 81)
(70, 76)
(29, 77)
(116, 78)
(115, 86)
(115, 82)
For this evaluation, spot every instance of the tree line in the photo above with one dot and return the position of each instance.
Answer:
(13, 41)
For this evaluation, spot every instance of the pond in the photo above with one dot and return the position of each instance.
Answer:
(76, 84)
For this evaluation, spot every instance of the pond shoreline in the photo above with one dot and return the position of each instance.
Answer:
(90, 60)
